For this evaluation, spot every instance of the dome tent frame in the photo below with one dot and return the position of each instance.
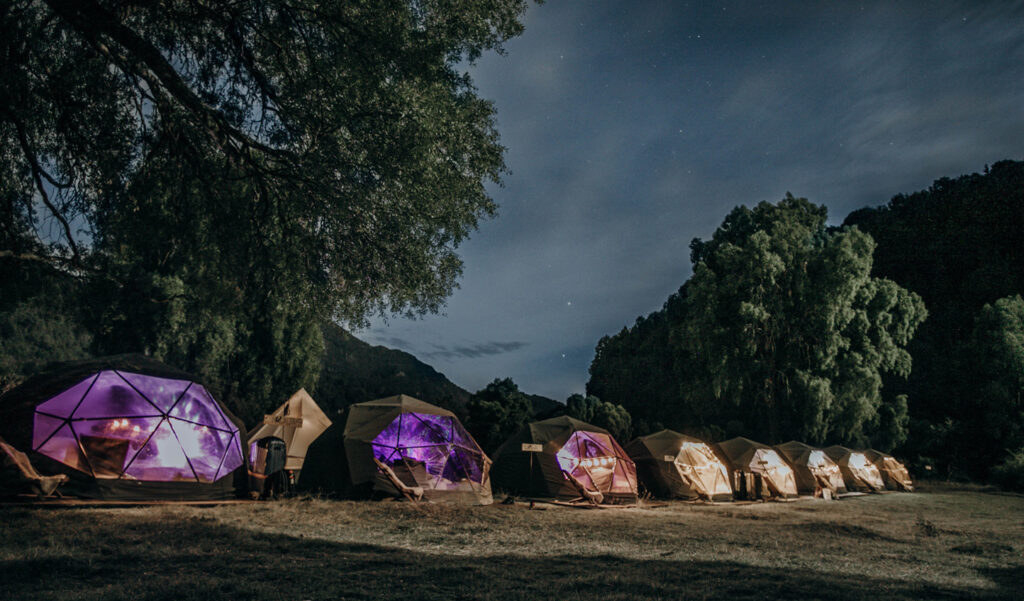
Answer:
(127, 428)
(443, 458)
(564, 443)
(673, 465)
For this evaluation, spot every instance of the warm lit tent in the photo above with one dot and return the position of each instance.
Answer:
(128, 428)
(539, 460)
(812, 468)
(673, 465)
(747, 460)
(894, 473)
(298, 422)
(423, 446)
(858, 472)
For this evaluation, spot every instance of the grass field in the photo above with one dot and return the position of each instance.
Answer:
(937, 544)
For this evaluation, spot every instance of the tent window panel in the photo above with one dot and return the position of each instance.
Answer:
(64, 404)
(232, 458)
(162, 459)
(43, 428)
(196, 405)
(162, 392)
(112, 397)
(204, 447)
(63, 447)
(111, 444)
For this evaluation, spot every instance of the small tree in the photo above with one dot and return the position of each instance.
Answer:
(609, 416)
(496, 412)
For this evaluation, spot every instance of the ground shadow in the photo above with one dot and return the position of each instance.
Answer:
(137, 557)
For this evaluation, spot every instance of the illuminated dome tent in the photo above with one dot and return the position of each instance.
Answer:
(745, 457)
(423, 445)
(126, 428)
(672, 465)
(858, 472)
(894, 473)
(812, 468)
(536, 461)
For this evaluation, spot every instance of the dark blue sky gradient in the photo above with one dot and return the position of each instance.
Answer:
(633, 127)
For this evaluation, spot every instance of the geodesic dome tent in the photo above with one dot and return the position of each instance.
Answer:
(126, 427)
(564, 445)
(744, 456)
(673, 465)
(425, 446)
(812, 467)
(894, 473)
(859, 474)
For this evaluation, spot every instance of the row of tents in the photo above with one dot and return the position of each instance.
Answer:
(130, 428)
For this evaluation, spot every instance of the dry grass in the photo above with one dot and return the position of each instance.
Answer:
(939, 544)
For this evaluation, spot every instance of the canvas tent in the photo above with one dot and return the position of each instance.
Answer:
(126, 427)
(859, 474)
(424, 446)
(539, 460)
(894, 474)
(672, 465)
(812, 468)
(298, 422)
(751, 462)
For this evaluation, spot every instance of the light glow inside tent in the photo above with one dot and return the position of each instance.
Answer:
(439, 443)
(124, 425)
(817, 459)
(704, 470)
(858, 461)
(594, 459)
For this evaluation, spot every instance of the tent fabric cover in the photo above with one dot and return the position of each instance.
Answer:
(424, 445)
(79, 418)
(858, 472)
(567, 444)
(673, 465)
(894, 473)
(807, 462)
(752, 457)
(296, 438)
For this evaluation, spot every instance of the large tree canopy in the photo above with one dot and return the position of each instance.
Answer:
(780, 333)
(788, 324)
(960, 245)
(227, 175)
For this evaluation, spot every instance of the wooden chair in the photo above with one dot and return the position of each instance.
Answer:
(413, 493)
(26, 476)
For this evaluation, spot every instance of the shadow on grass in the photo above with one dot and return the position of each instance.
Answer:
(95, 557)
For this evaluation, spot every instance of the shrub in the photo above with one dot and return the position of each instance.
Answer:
(1010, 473)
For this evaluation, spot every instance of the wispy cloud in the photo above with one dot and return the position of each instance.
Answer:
(475, 351)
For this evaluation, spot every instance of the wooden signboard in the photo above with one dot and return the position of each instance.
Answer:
(532, 448)
(282, 420)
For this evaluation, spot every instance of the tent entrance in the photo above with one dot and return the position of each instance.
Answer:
(431, 451)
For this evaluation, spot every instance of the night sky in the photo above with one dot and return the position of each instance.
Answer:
(633, 127)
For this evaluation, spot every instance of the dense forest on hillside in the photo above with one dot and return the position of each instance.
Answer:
(949, 393)
(354, 372)
(960, 245)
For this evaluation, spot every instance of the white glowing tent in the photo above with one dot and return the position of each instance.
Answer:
(298, 422)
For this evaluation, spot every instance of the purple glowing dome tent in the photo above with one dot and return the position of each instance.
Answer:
(535, 462)
(425, 446)
(126, 428)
